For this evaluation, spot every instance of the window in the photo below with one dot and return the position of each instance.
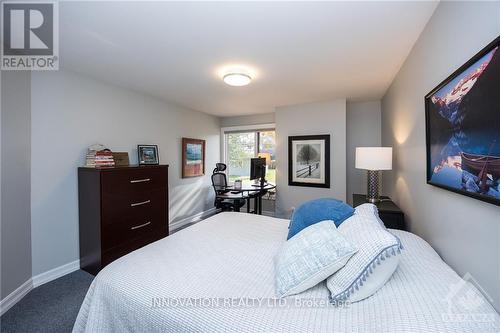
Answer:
(241, 146)
(267, 144)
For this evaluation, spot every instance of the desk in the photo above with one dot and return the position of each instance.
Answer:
(249, 188)
(235, 197)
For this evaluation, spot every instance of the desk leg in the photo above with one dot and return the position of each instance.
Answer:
(248, 205)
(260, 204)
(256, 205)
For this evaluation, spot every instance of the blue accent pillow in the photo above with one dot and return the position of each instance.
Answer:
(318, 210)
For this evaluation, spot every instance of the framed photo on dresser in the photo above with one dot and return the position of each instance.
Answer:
(148, 155)
(193, 157)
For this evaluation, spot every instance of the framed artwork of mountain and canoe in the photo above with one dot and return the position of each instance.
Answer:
(463, 128)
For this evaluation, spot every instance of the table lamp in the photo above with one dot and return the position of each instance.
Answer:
(267, 156)
(373, 159)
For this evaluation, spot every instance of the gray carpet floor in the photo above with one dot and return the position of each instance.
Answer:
(52, 307)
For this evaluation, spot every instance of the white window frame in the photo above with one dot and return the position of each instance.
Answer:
(244, 128)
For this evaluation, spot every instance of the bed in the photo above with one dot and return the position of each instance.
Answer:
(218, 276)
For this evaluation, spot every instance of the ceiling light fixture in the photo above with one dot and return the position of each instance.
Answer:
(237, 79)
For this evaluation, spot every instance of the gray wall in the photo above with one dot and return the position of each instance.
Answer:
(256, 119)
(15, 184)
(464, 231)
(363, 120)
(363, 130)
(310, 119)
(71, 112)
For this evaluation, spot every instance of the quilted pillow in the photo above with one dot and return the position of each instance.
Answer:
(372, 266)
(368, 210)
(310, 257)
(318, 210)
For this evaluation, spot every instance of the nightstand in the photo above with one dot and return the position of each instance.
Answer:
(392, 216)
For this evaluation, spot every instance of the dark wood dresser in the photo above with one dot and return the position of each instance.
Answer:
(121, 209)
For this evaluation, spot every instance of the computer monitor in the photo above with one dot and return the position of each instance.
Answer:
(257, 168)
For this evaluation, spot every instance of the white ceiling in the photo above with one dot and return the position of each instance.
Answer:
(299, 52)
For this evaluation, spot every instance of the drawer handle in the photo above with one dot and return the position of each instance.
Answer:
(140, 203)
(141, 225)
(133, 181)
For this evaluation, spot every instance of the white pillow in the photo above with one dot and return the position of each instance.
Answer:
(368, 210)
(309, 257)
(372, 266)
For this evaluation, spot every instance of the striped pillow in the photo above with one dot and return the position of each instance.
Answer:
(372, 266)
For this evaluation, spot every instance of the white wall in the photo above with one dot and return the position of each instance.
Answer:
(71, 112)
(256, 119)
(310, 119)
(15, 185)
(464, 231)
(363, 130)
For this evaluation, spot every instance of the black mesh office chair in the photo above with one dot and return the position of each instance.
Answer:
(219, 183)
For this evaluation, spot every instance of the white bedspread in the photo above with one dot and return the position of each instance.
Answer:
(175, 285)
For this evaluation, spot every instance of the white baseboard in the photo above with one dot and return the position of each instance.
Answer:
(15, 296)
(55, 273)
(42, 278)
(190, 219)
(45, 277)
(37, 281)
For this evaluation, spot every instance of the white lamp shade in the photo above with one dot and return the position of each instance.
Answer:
(267, 156)
(374, 158)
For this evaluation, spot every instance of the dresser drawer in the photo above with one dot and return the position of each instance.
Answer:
(120, 207)
(131, 230)
(132, 180)
(111, 255)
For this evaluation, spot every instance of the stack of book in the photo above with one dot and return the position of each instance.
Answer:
(100, 158)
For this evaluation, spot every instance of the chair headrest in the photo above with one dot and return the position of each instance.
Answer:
(219, 167)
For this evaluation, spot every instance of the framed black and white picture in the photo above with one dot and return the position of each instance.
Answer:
(309, 160)
(148, 154)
